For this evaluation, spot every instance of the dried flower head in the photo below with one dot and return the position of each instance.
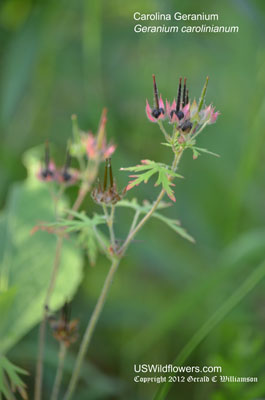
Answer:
(158, 111)
(108, 195)
(63, 329)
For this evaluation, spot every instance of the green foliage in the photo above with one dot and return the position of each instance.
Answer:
(146, 207)
(87, 240)
(28, 259)
(9, 374)
(231, 302)
(150, 168)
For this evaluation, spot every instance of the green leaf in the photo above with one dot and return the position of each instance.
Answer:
(150, 168)
(11, 372)
(146, 207)
(175, 225)
(198, 150)
(203, 93)
(74, 225)
(27, 260)
(89, 242)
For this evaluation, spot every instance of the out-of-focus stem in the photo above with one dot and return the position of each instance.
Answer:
(90, 328)
(135, 220)
(161, 126)
(42, 331)
(59, 372)
(110, 220)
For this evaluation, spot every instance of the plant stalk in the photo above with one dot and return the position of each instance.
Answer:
(90, 328)
(59, 372)
(42, 331)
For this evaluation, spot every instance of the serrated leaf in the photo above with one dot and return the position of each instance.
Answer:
(199, 149)
(142, 208)
(74, 225)
(150, 168)
(175, 225)
(11, 372)
(146, 207)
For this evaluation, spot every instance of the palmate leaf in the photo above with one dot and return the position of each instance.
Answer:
(146, 207)
(150, 168)
(82, 222)
(10, 373)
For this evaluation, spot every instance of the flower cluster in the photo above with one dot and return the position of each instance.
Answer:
(185, 116)
(49, 172)
(108, 195)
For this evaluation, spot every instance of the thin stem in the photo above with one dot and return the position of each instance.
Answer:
(135, 220)
(90, 329)
(100, 241)
(42, 331)
(141, 223)
(161, 126)
(59, 372)
(110, 220)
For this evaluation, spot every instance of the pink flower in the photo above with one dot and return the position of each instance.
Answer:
(158, 112)
(47, 173)
(96, 145)
(208, 115)
(214, 115)
(68, 176)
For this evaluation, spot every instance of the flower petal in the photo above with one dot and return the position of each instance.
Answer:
(148, 111)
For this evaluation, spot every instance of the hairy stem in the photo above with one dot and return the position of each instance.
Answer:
(59, 372)
(110, 220)
(90, 328)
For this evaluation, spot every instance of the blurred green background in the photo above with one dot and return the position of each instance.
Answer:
(63, 57)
